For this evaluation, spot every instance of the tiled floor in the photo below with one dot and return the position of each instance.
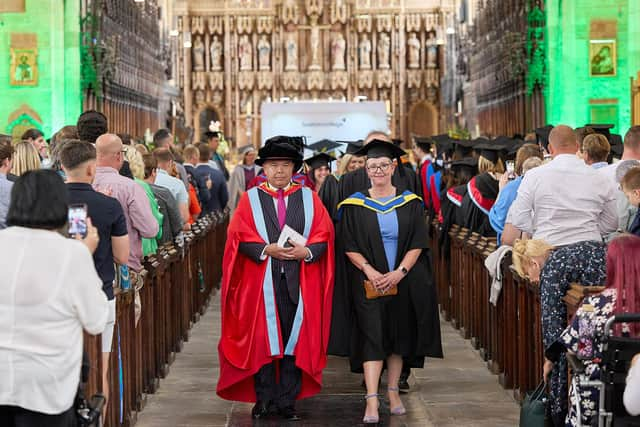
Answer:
(457, 391)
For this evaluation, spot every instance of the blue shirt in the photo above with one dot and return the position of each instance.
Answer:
(5, 198)
(500, 209)
(163, 179)
(389, 231)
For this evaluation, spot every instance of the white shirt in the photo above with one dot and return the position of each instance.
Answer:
(565, 202)
(631, 397)
(626, 211)
(50, 291)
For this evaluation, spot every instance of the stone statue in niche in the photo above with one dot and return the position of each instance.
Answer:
(383, 51)
(364, 52)
(198, 54)
(338, 45)
(413, 45)
(264, 53)
(432, 51)
(315, 44)
(216, 53)
(291, 46)
(245, 51)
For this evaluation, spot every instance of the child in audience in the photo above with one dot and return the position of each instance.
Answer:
(631, 187)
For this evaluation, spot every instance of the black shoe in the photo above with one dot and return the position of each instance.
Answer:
(260, 410)
(403, 383)
(289, 414)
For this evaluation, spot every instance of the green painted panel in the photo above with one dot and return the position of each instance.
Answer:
(56, 98)
(572, 95)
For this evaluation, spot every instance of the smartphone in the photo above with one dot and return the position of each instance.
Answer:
(77, 218)
(511, 169)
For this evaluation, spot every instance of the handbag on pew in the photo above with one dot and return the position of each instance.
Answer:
(533, 412)
(372, 292)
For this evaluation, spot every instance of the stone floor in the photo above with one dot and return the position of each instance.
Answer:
(457, 391)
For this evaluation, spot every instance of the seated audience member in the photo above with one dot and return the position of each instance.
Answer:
(136, 168)
(137, 211)
(6, 158)
(631, 187)
(36, 138)
(564, 201)
(91, 125)
(25, 158)
(509, 185)
(631, 397)
(78, 160)
(555, 268)
(44, 310)
(201, 182)
(164, 159)
(584, 335)
(631, 154)
(164, 139)
(219, 194)
(595, 150)
(172, 220)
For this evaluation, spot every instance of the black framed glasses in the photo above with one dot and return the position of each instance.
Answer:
(384, 167)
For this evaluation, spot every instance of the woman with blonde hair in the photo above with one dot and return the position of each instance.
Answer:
(482, 190)
(555, 269)
(26, 158)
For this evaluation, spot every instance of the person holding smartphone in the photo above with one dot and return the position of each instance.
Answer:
(51, 292)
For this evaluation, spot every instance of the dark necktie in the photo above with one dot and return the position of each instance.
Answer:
(282, 208)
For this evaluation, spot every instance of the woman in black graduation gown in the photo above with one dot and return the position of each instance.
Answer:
(385, 238)
(482, 190)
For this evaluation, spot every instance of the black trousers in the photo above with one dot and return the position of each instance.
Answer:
(280, 391)
(15, 416)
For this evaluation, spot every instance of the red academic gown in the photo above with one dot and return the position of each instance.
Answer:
(244, 347)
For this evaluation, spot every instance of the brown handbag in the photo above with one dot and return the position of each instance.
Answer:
(373, 293)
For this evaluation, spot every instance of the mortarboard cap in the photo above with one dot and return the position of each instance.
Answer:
(464, 147)
(542, 135)
(490, 150)
(324, 146)
(469, 164)
(603, 129)
(378, 148)
(319, 160)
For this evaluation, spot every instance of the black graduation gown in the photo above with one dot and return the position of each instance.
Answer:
(328, 194)
(406, 324)
(481, 195)
(451, 214)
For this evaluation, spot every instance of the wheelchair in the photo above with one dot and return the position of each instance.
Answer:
(616, 359)
(87, 411)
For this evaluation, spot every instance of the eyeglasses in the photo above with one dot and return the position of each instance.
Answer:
(383, 167)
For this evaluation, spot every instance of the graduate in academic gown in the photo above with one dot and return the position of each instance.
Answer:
(482, 190)
(423, 152)
(276, 302)
(460, 174)
(319, 168)
(385, 238)
(349, 162)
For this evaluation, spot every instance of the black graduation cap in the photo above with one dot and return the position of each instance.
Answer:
(425, 143)
(379, 148)
(469, 164)
(616, 151)
(603, 129)
(323, 146)
(319, 160)
(513, 150)
(353, 146)
(542, 135)
(211, 134)
(490, 150)
(443, 143)
(464, 147)
(397, 142)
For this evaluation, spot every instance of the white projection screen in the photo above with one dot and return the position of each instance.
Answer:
(337, 121)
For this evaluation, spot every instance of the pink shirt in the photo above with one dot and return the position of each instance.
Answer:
(137, 210)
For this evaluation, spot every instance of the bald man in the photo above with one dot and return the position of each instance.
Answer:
(564, 201)
(132, 197)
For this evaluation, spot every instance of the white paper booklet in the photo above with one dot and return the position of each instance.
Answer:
(289, 233)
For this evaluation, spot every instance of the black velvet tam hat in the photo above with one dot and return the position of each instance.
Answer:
(280, 148)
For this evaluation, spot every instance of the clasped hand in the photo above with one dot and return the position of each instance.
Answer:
(294, 253)
(383, 282)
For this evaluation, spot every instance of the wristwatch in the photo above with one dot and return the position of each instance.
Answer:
(403, 270)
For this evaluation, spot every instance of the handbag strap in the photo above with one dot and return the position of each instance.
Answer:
(538, 391)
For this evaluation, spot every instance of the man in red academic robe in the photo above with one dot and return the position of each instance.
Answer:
(276, 301)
